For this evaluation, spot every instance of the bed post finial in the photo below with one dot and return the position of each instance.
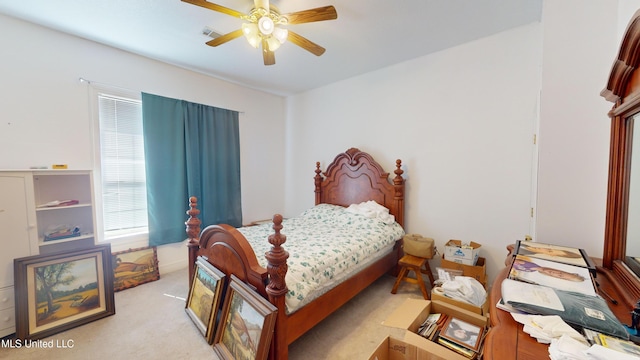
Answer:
(193, 232)
(318, 182)
(193, 223)
(277, 288)
(398, 197)
(398, 179)
(277, 260)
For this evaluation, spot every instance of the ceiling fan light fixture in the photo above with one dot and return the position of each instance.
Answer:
(266, 25)
(252, 34)
(281, 34)
(272, 43)
(262, 26)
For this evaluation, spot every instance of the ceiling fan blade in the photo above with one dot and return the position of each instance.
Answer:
(311, 15)
(225, 38)
(215, 7)
(306, 44)
(269, 57)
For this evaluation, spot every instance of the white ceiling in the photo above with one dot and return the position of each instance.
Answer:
(368, 34)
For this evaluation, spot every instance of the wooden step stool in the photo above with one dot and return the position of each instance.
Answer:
(419, 266)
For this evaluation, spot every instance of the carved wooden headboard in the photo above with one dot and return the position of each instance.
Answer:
(354, 176)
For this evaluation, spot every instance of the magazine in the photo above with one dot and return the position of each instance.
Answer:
(556, 275)
(557, 253)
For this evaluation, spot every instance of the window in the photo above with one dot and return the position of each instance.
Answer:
(122, 168)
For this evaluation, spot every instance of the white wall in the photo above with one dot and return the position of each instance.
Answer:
(460, 120)
(45, 117)
(574, 126)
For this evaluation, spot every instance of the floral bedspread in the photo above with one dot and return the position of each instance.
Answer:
(325, 243)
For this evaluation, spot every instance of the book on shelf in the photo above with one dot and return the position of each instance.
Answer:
(585, 311)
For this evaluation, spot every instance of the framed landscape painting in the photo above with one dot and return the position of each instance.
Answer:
(134, 267)
(246, 324)
(57, 292)
(205, 296)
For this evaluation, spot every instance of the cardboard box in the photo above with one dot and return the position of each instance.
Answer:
(453, 251)
(395, 349)
(481, 310)
(410, 315)
(478, 271)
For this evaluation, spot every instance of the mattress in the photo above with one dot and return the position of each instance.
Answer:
(326, 245)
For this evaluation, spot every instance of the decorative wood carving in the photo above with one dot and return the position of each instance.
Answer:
(354, 176)
(277, 260)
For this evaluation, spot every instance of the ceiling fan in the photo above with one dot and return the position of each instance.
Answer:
(263, 26)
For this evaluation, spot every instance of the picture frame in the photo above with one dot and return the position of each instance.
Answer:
(462, 333)
(134, 267)
(205, 297)
(563, 254)
(59, 291)
(552, 274)
(246, 324)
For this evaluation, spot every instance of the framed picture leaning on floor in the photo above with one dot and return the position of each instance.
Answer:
(59, 291)
(134, 267)
(205, 296)
(246, 324)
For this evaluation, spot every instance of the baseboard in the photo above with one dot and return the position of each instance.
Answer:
(166, 268)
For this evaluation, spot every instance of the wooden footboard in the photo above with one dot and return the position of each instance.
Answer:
(229, 251)
(225, 247)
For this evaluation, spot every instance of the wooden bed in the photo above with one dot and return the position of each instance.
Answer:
(353, 177)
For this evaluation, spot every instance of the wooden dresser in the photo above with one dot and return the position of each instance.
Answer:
(507, 341)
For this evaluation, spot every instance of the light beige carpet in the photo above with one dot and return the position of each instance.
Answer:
(150, 323)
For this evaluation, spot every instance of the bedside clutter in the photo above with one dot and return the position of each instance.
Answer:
(477, 271)
(413, 313)
(465, 257)
(438, 294)
(418, 251)
(462, 252)
(446, 327)
(589, 314)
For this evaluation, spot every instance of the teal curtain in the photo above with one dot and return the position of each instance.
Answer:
(190, 150)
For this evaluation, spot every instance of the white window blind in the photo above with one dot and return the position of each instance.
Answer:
(124, 196)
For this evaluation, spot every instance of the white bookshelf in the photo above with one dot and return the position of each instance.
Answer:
(24, 222)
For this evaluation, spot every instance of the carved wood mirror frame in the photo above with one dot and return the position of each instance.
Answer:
(623, 89)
